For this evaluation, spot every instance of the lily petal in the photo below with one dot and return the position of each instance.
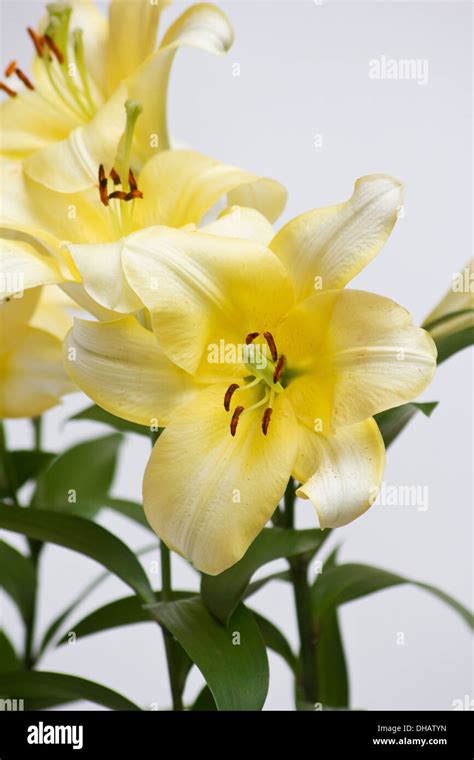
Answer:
(207, 494)
(327, 247)
(180, 186)
(201, 289)
(32, 375)
(30, 122)
(53, 312)
(121, 367)
(100, 266)
(15, 314)
(241, 223)
(202, 26)
(22, 267)
(341, 473)
(71, 165)
(133, 26)
(361, 354)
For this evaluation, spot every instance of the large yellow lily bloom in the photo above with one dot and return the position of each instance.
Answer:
(68, 117)
(32, 375)
(178, 187)
(238, 426)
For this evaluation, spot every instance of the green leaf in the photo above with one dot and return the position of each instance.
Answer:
(8, 657)
(18, 577)
(43, 689)
(27, 465)
(125, 611)
(236, 673)
(58, 621)
(344, 583)
(446, 318)
(275, 640)
(448, 345)
(392, 421)
(96, 414)
(130, 509)
(333, 680)
(204, 701)
(222, 593)
(255, 586)
(88, 469)
(80, 535)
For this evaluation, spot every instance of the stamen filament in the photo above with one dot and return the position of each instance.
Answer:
(78, 45)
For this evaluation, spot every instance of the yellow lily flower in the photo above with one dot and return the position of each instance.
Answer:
(176, 188)
(32, 375)
(262, 366)
(68, 117)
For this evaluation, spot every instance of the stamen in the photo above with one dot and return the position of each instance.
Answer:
(235, 419)
(103, 186)
(115, 177)
(9, 91)
(78, 46)
(251, 337)
(24, 79)
(266, 419)
(271, 345)
(54, 48)
(228, 395)
(279, 368)
(10, 69)
(119, 194)
(37, 41)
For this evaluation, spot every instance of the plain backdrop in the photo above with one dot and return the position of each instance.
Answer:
(304, 110)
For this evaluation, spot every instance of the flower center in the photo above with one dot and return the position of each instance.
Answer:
(67, 74)
(268, 376)
(123, 191)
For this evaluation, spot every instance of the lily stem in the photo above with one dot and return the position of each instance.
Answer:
(171, 645)
(302, 596)
(7, 467)
(35, 551)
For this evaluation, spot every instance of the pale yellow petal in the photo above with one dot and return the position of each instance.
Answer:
(242, 223)
(327, 247)
(22, 267)
(207, 494)
(180, 186)
(100, 266)
(201, 289)
(120, 366)
(350, 355)
(32, 376)
(202, 26)
(15, 313)
(29, 123)
(341, 473)
(133, 26)
(72, 164)
(53, 313)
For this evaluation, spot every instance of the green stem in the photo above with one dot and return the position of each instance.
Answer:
(302, 595)
(171, 645)
(35, 551)
(7, 466)
(37, 427)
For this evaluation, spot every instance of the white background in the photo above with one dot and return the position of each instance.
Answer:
(304, 72)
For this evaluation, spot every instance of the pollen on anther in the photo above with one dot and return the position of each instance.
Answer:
(251, 337)
(228, 395)
(266, 419)
(271, 345)
(103, 186)
(8, 90)
(235, 419)
(114, 176)
(279, 368)
(24, 79)
(10, 69)
(37, 41)
(54, 48)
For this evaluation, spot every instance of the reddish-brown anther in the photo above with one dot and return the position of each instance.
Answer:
(235, 419)
(24, 79)
(279, 368)
(103, 186)
(8, 90)
(266, 419)
(54, 48)
(271, 345)
(37, 41)
(115, 177)
(251, 337)
(228, 395)
(10, 69)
